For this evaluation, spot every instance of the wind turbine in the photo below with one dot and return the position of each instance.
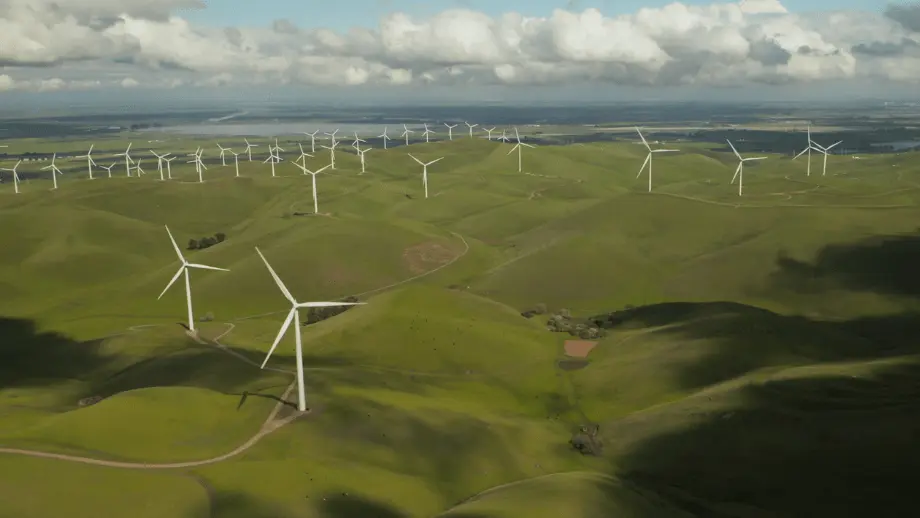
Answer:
(471, 126)
(384, 137)
(236, 162)
(223, 161)
(312, 140)
(504, 137)
(169, 167)
(648, 158)
(425, 171)
(519, 146)
(406, 132)
(489, 131)
(199, 165)
(248, 149)
(426, 133)
(332, 152)
(159, 162)
(361, 153)
(89, 160)
(357, 143)
(54, 170)
(138, 169)
(811, 145)
(303, 155)
(294, 316)
(183, 269)
(15, 176)
(313, 174)
(108, 169)
(128, 160)
(273, 157)
(739, 173)
(450, 131)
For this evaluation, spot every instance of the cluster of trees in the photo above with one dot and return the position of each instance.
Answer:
(315, 315)
(206, 242)
(562, 322)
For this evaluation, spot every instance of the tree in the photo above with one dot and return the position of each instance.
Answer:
(220, 237)
(192, 244)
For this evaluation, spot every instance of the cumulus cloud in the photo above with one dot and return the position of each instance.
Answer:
(721, 44)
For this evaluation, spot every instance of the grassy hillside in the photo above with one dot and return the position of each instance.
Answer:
(758, 349)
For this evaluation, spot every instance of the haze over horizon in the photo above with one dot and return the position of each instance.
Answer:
(129, 51)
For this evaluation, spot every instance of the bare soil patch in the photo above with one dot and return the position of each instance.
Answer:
(426, 256)
(579, 348)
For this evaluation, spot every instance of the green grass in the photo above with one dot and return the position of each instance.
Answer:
(760, 351)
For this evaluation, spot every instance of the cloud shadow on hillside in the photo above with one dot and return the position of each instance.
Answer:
(842, 443)
(228, 504)
(30, 357)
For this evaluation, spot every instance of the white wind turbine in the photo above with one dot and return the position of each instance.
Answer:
(450, 131)
(471, 126)
(425, 171)
(332, 152)
(159, 162)
(504, 137)
(15, 176)
(138, 169)
(426, 133)
(128, 159)
(54, 170)
(824, 151)
(385, 137)
(89, 160)
(648, 158)
(489, 131)
(357, 143)
(313, 174)
(519, 147)
(223, 160)
(361, 153)
(108, 168)
(303, 155)
(236, 162)
(273, 158)
(405, 133)
(169, 166)
(294, 316)
(199, 165)
(183, 269)
(739, 172)
(312, 140)
(248, 149)
(808, 148)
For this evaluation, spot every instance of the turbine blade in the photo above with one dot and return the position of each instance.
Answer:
(647, 158)
(733, 148)
(284, 328)
(416, 159)
(206, 267)
(280, 284)
(173, 281)
(643, 139)
(328, 304)
(435, 160)
(802, 152)
(175, 246)
(737, 170)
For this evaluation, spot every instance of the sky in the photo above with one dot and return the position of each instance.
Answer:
(459, 49)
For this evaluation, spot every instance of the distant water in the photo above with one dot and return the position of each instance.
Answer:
(265, 129)
(899, 145)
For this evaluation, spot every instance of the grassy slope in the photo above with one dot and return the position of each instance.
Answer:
(439, 394)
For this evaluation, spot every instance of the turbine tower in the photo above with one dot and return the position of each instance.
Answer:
(159, 162)
(312, 140)
(357, 143)
(236, 162)
(425, 171)
(248, 149)
(450, 131)
(128, 160)
(519, 147)
(332, 152)
(489, 131)
(739, 173)
(108, 168)
(405, 133)
(54, 170)
(294, 316)
(183, 269)
(361, 153)
(223, 160)
(273, 158)
(313, 174)
(89, 160)
(303, 155)
(471, 126)
(169, 167)
(199, 165)
(15, 176)
(808, 148)
(648, 158)
(426, 133)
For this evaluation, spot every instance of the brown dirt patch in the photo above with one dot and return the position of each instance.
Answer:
(579, 348)
(426, 256)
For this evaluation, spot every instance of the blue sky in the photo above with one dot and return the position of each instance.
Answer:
(349, 13)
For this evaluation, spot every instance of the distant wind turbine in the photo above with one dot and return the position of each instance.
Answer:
(89, 160)
(312, 140)
(223, 160)
(361, 153)
(294, 316)
(648, 158)
(426, 133)
(54, 170)
(489, 131)
(384, 137)
(313, 174)
(248, 149)
(236, 162)
(406, 132)
(519, 147)
(108, 168)
(450, 131)
(15, 176)
(183, 269)
(128, 159)
(739, 172)
(425, 171)
(471, 126)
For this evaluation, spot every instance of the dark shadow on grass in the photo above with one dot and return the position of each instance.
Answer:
(29, 357)
(350, 506)
(837, 437)
(245, 395)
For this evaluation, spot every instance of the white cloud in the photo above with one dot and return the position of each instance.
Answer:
(6, 83)
(129, 82)
(77, 42)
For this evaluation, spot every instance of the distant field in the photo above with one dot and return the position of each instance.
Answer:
(758, 354)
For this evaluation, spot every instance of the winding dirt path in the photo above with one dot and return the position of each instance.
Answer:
(268, 426)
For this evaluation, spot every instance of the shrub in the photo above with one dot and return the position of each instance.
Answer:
(192, 244)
